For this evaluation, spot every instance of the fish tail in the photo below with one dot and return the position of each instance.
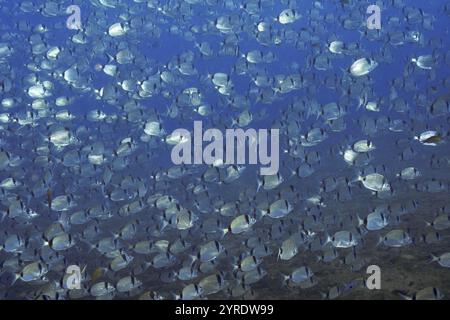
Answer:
(360, 221)
(16, 277)
(223, 232)
(380, 241)
(402, 294)
(433, 258)
(284, 279)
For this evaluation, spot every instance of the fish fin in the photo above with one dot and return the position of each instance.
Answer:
(403, 294)
(263, 212)
(345, 72)
(223, 232)
(110, 58)
(352, 182)
(284, 280)
(193, 258)
(362, 101)
(433, 258)
(63, 219)
(259, 185)
(328, 238)
(380, 241)
(292, 173)
(90, 245)
(16, 277)
(83, 270)
(175, 296)
(360, 221)
(115, 235)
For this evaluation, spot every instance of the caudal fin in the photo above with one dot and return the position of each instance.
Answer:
(433, 258)
(284, 279)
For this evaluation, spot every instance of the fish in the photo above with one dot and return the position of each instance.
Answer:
(362, 67)
(93, 111)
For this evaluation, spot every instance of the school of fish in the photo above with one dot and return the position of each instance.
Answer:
(86, 177)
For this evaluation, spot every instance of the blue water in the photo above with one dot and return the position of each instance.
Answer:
(406, 269)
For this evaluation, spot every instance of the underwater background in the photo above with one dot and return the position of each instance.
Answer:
(92, 91)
